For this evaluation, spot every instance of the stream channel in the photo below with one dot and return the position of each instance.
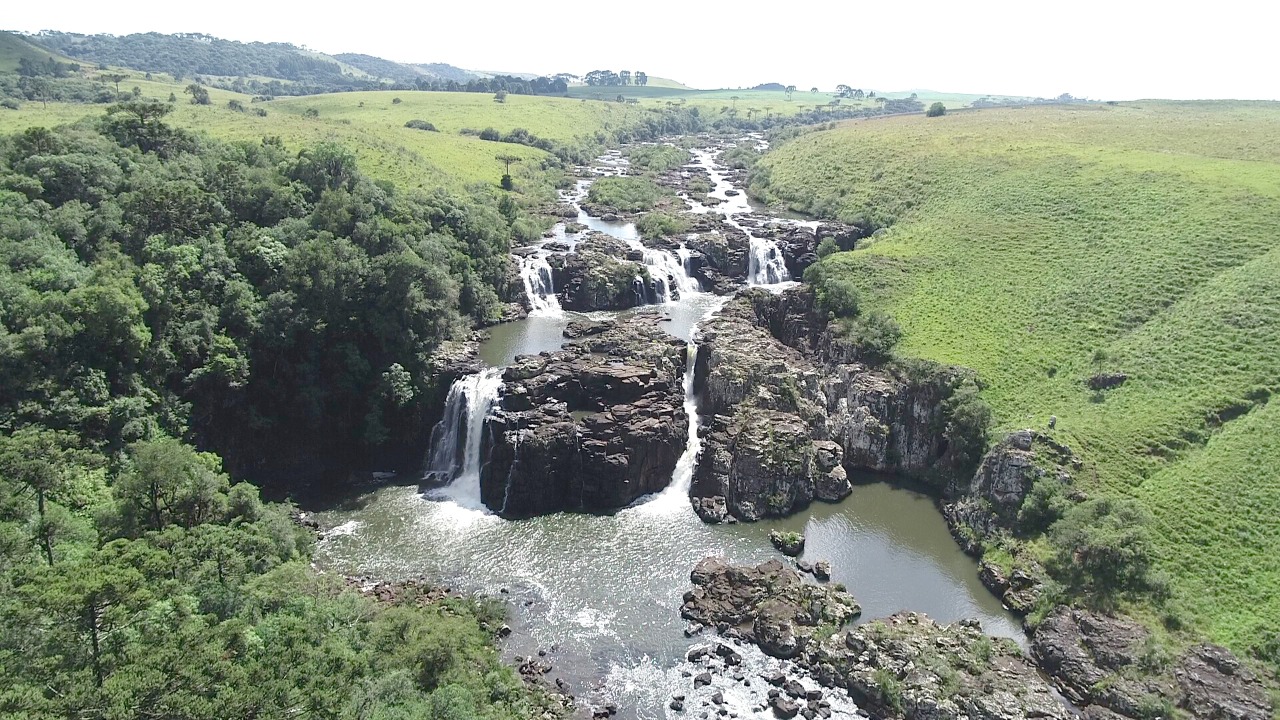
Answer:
(600, 594)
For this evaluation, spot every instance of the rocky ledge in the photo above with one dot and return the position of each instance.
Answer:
(908, 666)
(792, 411)
(769, 605)
(588, 428)
(905, 666)
(1115, 664)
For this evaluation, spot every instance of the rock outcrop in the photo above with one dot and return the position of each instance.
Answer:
(908, 666)
(599, 275)
(792, 411)
(769, 604)
(1115, 663)
(989, 501)
(588, 428)
(720, 256)
(905, 666)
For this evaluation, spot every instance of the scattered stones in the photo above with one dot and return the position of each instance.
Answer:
(702, 680)
(784, 708)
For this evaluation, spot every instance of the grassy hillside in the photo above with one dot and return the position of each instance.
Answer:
(14, 47)
(1022, 242)
(372, 123)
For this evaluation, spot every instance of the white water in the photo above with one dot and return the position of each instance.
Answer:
(539, 287)
(676, 495)
(470, 399)
(765, 264)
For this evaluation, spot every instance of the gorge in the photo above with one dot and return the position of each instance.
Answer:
(622, 415)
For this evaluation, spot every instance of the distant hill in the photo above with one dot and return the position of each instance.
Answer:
(187, 55)
(407, 73)
(14, 48)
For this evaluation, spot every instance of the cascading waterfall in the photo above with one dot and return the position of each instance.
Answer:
(456, 440)
(669, 273)
(766, 265)
(538, 286)
(676, 494)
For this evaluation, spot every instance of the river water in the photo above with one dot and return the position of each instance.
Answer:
(601, 594)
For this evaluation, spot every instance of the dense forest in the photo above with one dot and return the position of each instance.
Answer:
(157, 283)
(170, 306)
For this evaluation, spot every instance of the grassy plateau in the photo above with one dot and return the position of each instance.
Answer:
(1043, 245)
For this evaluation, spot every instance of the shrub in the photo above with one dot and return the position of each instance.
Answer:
(657, 158)
(968, 417)
(395, 101)
(890, 689)
(1044, 505)
(827, 247)
(628, 194)
(235, 105)
(1102, 549)
(936, 110)
(507, 182)
(658, 224)
(490, 134)
(839, 296)
(421, 125)
(875, 335)
(311, 113)
(10, 103)
(260, 112)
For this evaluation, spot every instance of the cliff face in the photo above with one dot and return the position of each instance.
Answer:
(792, 411)
(588, 428)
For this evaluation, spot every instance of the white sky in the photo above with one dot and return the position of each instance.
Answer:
(1101, 49)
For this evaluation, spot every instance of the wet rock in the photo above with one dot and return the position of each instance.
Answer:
(712, 510)
(784, 708)
(769, 604)
(804, 566)
(589, 428)
(792, 410)
(597, 276)
(989, 500)
(787, 543)
(822, 570)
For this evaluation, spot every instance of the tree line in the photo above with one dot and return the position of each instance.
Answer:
(609, 78)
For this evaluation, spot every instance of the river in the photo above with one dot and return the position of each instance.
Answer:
(600, 594)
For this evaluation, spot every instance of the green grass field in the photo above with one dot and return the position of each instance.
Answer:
(372, 124)
(1021, 241)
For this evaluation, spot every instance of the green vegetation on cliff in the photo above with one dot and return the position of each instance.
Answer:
(1052, 248)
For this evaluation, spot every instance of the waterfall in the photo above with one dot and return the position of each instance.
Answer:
(669, 272)
(765, 265)
(676, 495)
(456, 440)
(538, 286)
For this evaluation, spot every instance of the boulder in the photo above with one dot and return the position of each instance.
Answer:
(787, 543)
